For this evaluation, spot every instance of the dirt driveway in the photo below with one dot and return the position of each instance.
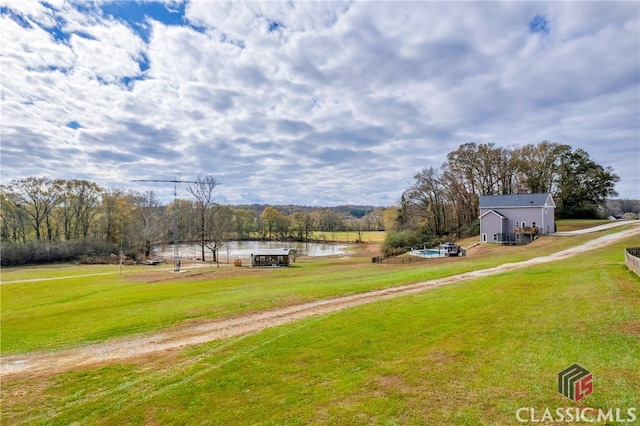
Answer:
(196, 332)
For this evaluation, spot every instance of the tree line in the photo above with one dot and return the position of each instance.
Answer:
(443, 203)
(47, 220)
(44, 219)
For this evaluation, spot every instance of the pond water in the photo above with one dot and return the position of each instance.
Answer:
(243, 249)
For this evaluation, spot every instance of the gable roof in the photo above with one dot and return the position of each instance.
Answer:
(516, 200)
(500, 215)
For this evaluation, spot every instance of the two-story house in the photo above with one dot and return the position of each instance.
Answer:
(516, 218)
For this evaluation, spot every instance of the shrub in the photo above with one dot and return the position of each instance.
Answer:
(399, 242)
(35, 252)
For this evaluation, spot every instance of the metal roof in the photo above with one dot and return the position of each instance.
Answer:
(516, 200)
(272, 252)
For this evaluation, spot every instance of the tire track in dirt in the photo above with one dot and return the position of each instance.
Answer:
(197, 332)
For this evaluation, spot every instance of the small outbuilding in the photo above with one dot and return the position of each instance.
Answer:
(273, 257)
(450, 249)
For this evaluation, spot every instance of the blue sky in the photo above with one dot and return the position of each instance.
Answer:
(314, 103)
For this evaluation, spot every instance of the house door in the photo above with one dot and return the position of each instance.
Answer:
(484, 238)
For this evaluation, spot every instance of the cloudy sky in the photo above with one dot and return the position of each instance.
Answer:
(314, 103)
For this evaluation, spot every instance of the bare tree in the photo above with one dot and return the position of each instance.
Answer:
(148, 216)
(202, 190)
(39, 196)
(79, 201)
(328, 220)
(464, 206)
(14, 224)
(221, 227)
(537, 165)
(428, 195)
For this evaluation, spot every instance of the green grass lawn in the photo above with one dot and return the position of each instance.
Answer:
(63, 270)
(466, 354)
(54, 314)
(566, 225)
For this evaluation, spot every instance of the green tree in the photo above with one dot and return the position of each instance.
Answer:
(390, 217)
(283, 226)
(537, 165)
(303, 224)
(115, 213)
(582, 185)
(269, 216)
(243, 220)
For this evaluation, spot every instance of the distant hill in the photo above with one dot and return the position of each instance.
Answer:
(619, 207)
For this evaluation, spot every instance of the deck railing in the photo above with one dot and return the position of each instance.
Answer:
(525, 229)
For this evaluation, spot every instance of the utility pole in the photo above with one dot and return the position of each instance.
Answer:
(176, 181)
(121, 242)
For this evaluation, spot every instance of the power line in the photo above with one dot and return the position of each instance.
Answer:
(176, 181)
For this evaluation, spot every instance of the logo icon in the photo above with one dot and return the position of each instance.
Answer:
(575, 382)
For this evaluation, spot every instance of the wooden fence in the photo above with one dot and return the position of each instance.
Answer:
(632, 259)
(398, 259)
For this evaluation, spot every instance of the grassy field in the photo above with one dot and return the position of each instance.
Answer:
(467, 354)
(565, 225)
(64, 270)
(367, 236)
(71, 311)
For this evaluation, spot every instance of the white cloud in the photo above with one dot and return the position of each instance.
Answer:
(337, 102)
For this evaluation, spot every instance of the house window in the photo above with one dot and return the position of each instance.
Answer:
(279, 258)
(262, 258)
(495, 237)
(517, 224)
(546, 210)
(524, 224)
(533, 224)
(517, 237)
